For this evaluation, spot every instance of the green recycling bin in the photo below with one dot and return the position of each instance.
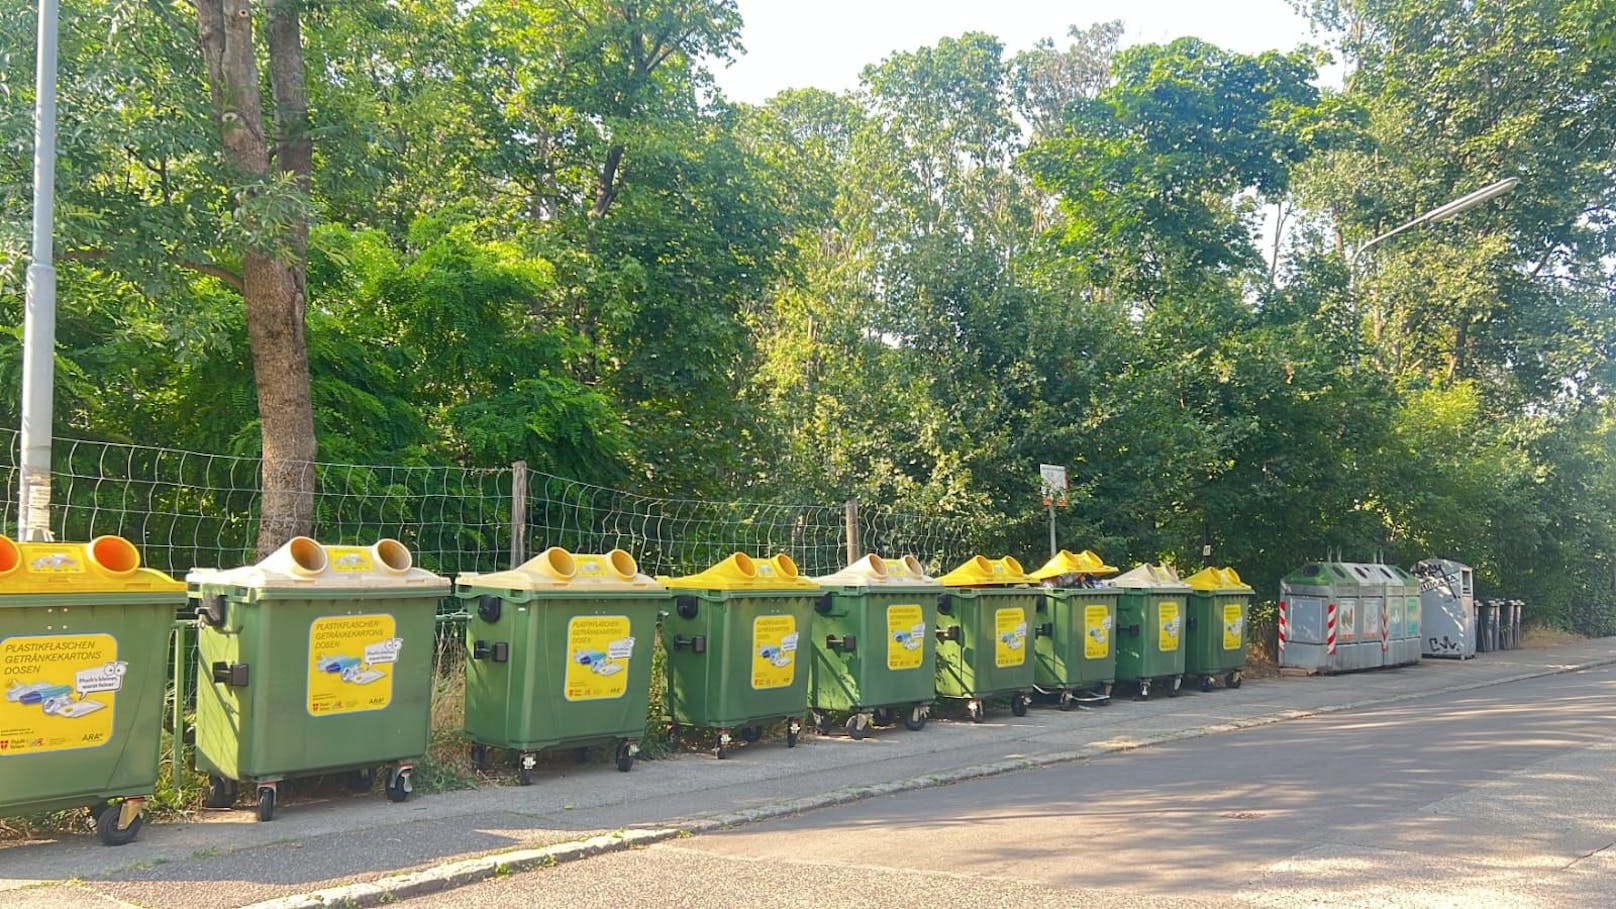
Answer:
(83, 634)
(732, 643)
(1150, 628)
(983, 629)
(1215, 631)
(559, 654)
(316, 660)
(1076, 661)
(873, 655)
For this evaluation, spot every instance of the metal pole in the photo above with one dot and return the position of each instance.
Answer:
(1054, 550)
(39, 321)
(850, 514)
(518, 513)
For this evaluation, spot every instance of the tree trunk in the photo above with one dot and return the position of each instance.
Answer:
(273, 279)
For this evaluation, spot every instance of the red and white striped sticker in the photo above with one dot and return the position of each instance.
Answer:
(1282, 629)
(1383, 644)
(1329, 629)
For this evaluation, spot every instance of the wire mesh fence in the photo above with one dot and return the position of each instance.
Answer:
(186, 509)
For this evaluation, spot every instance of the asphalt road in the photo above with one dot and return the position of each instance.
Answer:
(1499, 796)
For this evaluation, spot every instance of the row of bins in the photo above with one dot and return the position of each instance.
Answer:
(318, 659)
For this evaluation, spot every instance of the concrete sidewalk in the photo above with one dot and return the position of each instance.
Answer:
(365, 851)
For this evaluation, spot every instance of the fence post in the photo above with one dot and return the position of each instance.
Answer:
(176, 751)
(851, 512)
(518, 513)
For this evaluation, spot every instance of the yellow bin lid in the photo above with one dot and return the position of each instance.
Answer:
(742, 572)
(1148, 575)
(305, 564)
(106, 564)
(556, 569)
(981, 571)
(1065, 562)
(874, 571)
(1220, 579)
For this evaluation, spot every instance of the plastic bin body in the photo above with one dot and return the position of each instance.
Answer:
(290, 719)
(317, 659)
(990, 653)
(736, 657)
(1215, 633)
(1150, 634)
(84, 668)
(1076, 634)
(560, 661)
(894, 657)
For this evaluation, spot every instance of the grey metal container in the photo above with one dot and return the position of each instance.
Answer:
(1336, 617)
(1448, 611)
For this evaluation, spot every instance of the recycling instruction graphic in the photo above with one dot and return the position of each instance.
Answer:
(599, 648)
(1234, 627)
(906, 636)
(60, 691)
(351, 659)
(350, 558)
(1096, 631)
(1010, 637)
(1168, 623)
(774, 651)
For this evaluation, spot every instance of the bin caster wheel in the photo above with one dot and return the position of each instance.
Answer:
(1105, 692)
(112, 829)
(974, 708)
(221, 792)
(1018, 704)
(721, 750)
(883, 716)
(398, 784)
(479, 757)
(793, 729)
(750, 734)
(1144, 689)
(362, 780)
(855, 726)
(1206, 683)
(625, 756)
(821, 722)
(1232, 679)
(1172, 689)
(915, 720)
(266, 803)
(525, 763)
(1067, 701)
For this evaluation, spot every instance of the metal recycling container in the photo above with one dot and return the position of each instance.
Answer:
(1074, 629)
(1215, 630)
(733, 642)
(316, 660)
(1338, 616)
(559, 654)
(1447, 609)
(1150, 628)
(1402, 616)
(83, 634)
(873, 657)
(984, 631)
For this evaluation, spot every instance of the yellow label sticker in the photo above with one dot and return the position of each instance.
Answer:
(774, 651)
(589, 566)
(599, 648)
(1096, 631)
(1010, 637)
(351, 660)
(350, 558)
(1168, 623)
(906, 636)
(60, 691)
(56, 559)
(1234, 627)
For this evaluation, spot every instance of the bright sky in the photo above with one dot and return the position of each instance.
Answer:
(825, 43)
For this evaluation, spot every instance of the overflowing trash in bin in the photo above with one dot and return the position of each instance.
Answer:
(1075, 628)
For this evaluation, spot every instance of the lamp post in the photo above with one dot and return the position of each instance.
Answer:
(39, 321)
(1440, 213)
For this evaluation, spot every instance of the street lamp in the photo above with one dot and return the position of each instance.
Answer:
(1441, 213)
(39, 319)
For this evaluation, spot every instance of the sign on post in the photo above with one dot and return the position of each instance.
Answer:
(1054, 484)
